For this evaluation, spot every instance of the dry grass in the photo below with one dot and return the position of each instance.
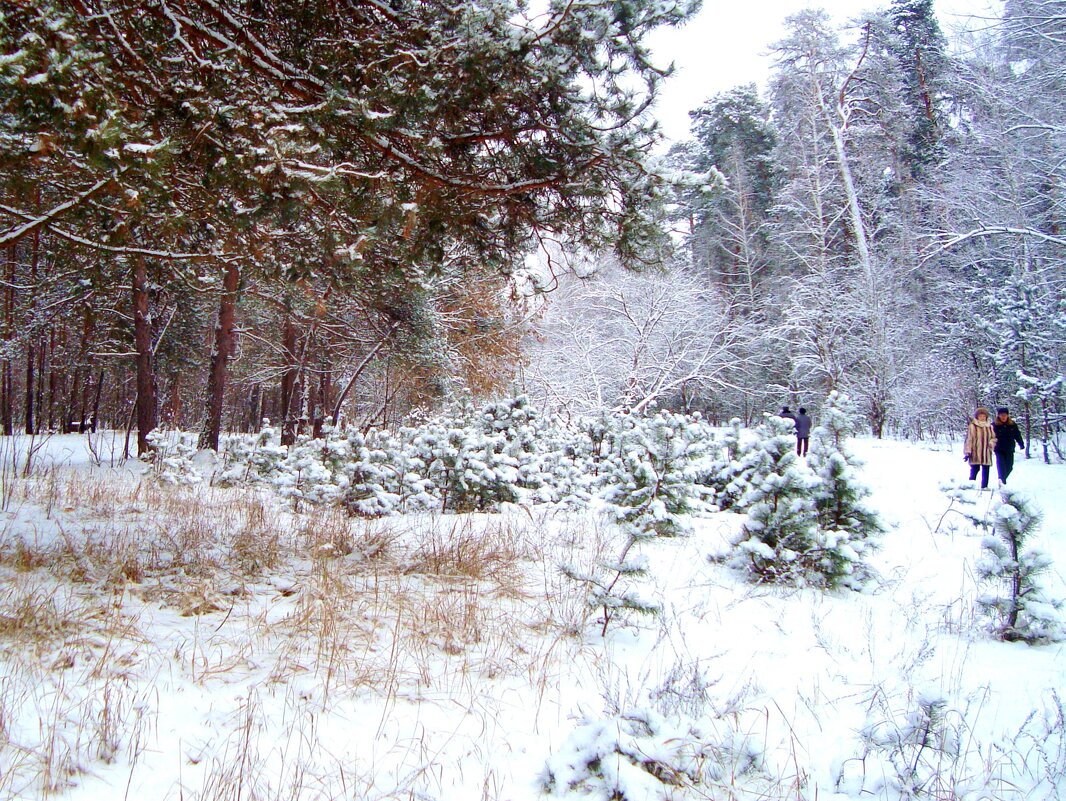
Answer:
(465, 547)
(232, 585)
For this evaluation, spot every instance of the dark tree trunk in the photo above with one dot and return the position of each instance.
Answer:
(70, 407)
(42, 368)
(287, 412)
(147, 414)
(31, 350)
(96, 403)
(173, 407)
(254, 414)
(31, 362)
(7, 375)
(83, 412)
(224, 340)
(325, 387)
(52, 380)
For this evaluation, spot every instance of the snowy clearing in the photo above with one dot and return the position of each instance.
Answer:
(200, 643)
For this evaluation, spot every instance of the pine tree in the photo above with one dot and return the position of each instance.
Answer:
(731, 474)
(840, 497)
(650, 487)
(1020, 610)
(779, 542)
(846, 524)
(921, 51)
(734, 136)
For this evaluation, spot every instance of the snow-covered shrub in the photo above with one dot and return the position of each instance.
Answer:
(840, 496)
(648, 472)
(910, 753)
(172, 457)
(310, 472)
(566, 464)
(846, 524)
(730, 474)
(369, 481)
(645, 756)
(650, 481)
(522, 431)
(444, 447)
(1016, 605)
(608, 587)
(779, 542)
(248, 459)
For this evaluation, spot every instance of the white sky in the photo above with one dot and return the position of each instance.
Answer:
(727, 45)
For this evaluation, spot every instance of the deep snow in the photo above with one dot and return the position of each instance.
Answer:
(361, 678)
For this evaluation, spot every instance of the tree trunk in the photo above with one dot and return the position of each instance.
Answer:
(7, 379)
(31, 361)
(325, 387)
(31, 350)
(255, 409)
(224, 341)
(52, 380)
(42, 369)
(288, 381)
(147, 415)
(96, 402)
(358, 371)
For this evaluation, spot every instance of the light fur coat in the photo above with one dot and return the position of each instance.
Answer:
(980, 442)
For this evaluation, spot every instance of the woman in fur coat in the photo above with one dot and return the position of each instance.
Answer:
(980, 444)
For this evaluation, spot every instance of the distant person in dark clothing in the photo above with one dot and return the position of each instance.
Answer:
(803, 432)
(787, 414)
(1007, 435)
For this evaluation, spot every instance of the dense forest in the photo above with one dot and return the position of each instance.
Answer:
(218, 211)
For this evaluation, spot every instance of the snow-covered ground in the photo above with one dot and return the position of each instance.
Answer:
(185, 643)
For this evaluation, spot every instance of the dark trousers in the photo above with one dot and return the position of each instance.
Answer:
(984, 473)
(1004, 464)
(801, 445)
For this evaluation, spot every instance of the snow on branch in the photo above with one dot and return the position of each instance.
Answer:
(33, 223)
(992, 230)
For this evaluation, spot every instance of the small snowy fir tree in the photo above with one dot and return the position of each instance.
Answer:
(306, 474)
(521, 429)
(642, 755)
(909, 752)
(650, 489)
(251, 459)
(779, 541)
(847, 524)
(566, 463)
(651, 485)
(371, 481)
(1018, 608)
(172, 457)
(840, 497)
(730, 475)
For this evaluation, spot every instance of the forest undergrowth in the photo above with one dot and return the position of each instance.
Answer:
(199, 642)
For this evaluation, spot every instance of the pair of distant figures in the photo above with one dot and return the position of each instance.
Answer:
(986, 438)
(802, 422)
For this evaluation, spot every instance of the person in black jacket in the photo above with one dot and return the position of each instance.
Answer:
(803, 432)
(1007, 434)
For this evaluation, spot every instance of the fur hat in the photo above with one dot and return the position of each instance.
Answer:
(981, 410)
(1003, 410)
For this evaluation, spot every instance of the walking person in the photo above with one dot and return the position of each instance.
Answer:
(980, 444)
(1007, 435)
(803, 432)
(788, 415)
